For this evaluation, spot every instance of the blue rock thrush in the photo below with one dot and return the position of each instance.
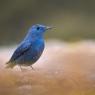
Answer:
(30, 49)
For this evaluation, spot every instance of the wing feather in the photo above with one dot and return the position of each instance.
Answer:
(24, 47)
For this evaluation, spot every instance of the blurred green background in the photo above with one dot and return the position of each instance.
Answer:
(74, 19)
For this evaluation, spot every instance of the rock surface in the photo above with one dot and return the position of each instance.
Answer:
(63, 69)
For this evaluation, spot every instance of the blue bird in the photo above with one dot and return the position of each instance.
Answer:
(30, 49)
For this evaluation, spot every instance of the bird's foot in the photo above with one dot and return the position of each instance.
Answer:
(22, 69)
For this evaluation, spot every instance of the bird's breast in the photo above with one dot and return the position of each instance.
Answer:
(38, 47)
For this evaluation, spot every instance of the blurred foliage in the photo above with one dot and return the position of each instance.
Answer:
(73, 19)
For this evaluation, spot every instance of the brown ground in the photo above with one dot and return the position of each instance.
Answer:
(63, 69)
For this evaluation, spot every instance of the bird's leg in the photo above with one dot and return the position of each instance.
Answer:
(20, 67)
(32, 67)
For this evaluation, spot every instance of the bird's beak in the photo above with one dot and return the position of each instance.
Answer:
(48, 27)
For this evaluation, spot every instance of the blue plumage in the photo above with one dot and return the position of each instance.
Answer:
(31, 48)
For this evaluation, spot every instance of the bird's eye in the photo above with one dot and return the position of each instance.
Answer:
(38, 28)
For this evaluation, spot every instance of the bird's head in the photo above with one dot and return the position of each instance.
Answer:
(39, 29)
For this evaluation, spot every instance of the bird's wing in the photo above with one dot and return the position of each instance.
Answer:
(24, 47)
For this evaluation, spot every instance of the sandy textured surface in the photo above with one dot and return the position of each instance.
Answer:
(63, 69)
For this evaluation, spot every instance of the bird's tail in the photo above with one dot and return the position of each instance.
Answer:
(10, 65)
